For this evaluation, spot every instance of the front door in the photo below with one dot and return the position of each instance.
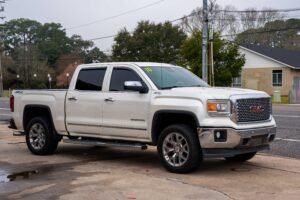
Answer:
(84, 103)
(125, 113)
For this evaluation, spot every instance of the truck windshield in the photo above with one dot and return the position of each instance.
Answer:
(172, 77)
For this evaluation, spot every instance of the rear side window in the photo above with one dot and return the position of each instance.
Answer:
(119, 76)
(90, 79)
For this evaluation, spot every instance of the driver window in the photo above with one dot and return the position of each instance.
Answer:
(120, 76)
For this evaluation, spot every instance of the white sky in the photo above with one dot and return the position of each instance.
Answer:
(75, 12)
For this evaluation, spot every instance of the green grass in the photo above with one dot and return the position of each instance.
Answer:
(284, 100)
(6, 93)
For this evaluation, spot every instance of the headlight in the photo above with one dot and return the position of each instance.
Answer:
(218, 107)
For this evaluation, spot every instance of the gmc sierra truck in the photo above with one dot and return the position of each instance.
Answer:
(134, 105)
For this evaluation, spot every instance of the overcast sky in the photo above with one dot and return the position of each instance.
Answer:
(72, 13)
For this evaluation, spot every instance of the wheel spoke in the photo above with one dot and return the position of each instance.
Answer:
(173, 158)
(37, 137)
(175, 149)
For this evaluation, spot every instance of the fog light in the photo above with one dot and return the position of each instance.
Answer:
(220, 135)
(272, 137)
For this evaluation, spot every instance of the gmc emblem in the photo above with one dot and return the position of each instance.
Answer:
(256, 109)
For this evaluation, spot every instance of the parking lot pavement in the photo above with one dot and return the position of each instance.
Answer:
(5, 114)
(82, 172)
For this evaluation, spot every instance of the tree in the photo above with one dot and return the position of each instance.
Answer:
(79, 46)
(228, 61)
(227, 20)
(52, 41)
(34, 48)
(19, 33)
(279, 33)
(149, 42)
(95, 55)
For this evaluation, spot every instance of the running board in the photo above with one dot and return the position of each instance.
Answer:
(18, 133)
(130, 145)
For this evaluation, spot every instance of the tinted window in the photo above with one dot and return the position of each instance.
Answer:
(119, 76)
(90, 79)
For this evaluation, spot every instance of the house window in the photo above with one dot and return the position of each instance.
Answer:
(277, 77)
(236, 82)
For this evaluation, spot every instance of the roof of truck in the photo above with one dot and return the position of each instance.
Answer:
(140, 64)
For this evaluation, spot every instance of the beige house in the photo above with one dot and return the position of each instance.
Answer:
(270, 70)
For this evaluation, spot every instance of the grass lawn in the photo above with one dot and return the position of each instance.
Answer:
(6, 93)
(284, 100)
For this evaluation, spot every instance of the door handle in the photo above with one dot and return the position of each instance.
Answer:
(72, 99)
(109, 100)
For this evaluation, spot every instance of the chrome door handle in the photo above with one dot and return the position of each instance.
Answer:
(72, 99)
(109, 100)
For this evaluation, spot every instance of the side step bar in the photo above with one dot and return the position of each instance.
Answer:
(104, 143)
(18, 133)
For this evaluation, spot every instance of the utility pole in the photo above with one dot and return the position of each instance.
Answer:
(1, 75)
(1, 78)
(211, 57)
(204, 41)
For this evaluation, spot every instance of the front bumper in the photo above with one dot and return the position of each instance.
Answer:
(235, 141)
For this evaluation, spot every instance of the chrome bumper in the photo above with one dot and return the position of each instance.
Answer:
(235, 138)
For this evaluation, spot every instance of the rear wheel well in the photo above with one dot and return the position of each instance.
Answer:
(32, 111)
(162, 119)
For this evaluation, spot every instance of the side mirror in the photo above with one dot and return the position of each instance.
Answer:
(135, 86)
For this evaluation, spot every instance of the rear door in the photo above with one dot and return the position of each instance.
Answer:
(84, 103)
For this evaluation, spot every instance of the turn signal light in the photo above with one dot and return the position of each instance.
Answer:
(212, 106)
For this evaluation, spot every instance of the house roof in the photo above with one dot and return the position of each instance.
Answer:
(288, 57)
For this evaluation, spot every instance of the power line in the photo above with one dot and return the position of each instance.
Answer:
(253, 18)
(116, 16)
(259, 32)
(250, 33)
(172, 21)
(104, 37)
(266, 10)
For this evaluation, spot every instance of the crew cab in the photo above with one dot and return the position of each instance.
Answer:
(134, 105)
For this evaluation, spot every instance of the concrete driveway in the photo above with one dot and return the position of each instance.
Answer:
(80, 172)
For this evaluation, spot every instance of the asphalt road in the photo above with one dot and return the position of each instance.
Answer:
(287, 141)
(4, 109)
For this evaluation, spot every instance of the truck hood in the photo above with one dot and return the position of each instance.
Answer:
(214, 92)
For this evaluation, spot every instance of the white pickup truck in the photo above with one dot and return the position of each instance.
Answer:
(138, 104)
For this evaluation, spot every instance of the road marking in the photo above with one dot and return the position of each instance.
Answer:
(4, 109)
(289, 140)
(287, 116)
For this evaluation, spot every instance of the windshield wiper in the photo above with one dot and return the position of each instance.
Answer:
(170, 87)
(194, 86)
(177, 86)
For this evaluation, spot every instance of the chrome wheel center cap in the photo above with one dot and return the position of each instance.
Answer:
(177, 148)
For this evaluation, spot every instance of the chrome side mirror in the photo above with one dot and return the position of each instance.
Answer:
(135, 86)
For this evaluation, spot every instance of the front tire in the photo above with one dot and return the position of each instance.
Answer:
(179, 149)
(241, 157)
(40, 138)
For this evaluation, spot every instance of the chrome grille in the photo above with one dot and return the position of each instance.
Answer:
(250, 110)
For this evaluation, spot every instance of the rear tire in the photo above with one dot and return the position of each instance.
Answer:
(40, 137)
(241, 157)
(179, 148)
